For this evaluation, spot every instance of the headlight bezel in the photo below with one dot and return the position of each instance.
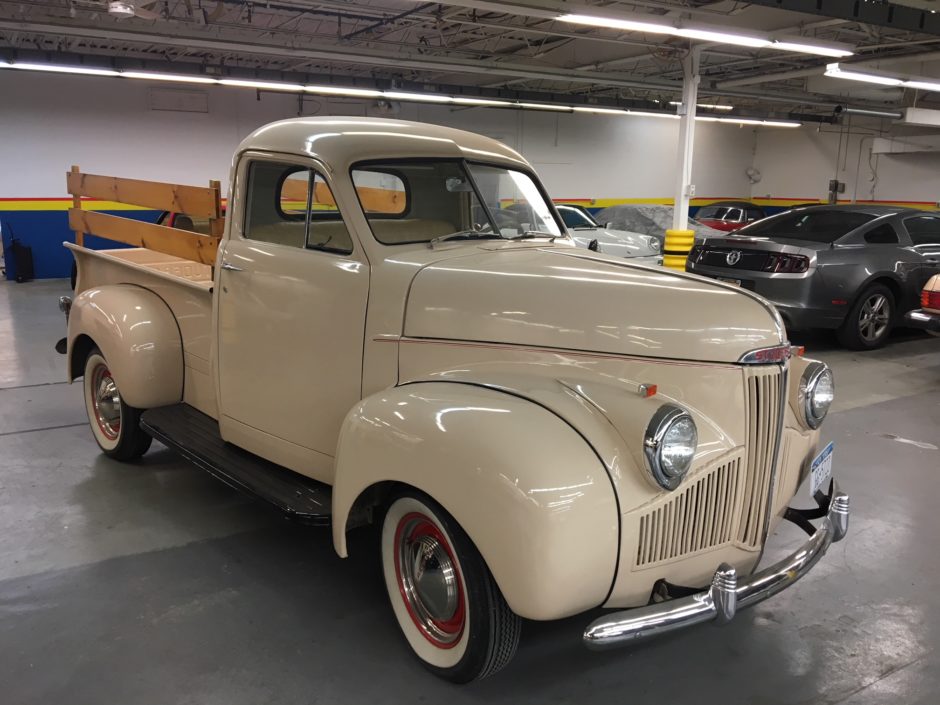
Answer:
(653, 442)
(814, 372)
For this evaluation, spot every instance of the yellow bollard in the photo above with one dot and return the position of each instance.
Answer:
(676, 248)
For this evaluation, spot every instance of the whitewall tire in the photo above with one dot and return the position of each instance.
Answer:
(445, 599)
(114, 424)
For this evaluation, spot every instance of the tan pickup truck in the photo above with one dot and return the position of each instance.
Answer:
(538, 430)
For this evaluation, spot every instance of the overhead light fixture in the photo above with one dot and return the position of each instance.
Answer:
(178, 78)
(711, 34)
(53, 68)
(836, 71)
(352, 92)
(923, 85)
(264, 85)
(817, 49)
(708, 106)
(391, 95)
(614, 23)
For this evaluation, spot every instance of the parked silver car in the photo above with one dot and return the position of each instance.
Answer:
(854, 268)
(588, 233)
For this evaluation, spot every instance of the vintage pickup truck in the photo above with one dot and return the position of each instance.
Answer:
(536, 430)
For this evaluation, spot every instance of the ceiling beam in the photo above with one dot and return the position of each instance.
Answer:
(879, 14)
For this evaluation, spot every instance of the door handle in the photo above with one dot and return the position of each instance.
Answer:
(231, 267)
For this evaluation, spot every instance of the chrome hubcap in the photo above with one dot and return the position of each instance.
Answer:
(106, 401)
(429, 580)
(874, 317)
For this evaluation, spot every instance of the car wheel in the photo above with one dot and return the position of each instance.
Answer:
(870, 320)
(447, 604)
(115, 425)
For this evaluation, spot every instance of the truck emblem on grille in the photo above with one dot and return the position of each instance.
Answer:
(733, 257)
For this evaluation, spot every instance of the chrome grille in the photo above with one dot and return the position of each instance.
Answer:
(763, 428)
(699, 516)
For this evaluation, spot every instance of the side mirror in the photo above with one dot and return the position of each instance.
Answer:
(609, 226)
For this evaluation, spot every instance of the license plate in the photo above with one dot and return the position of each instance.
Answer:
(734, 282)
(821, 471)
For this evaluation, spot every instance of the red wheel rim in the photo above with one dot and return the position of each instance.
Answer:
(429, 580)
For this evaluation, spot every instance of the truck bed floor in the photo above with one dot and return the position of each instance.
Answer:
(196, 437)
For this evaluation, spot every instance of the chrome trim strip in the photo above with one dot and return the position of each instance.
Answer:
(721, 600)
(750, 357)
(775, 463)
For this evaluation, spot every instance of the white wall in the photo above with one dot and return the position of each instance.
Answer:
(799, 164)
(107, 125)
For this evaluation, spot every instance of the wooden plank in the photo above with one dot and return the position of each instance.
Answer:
(192, 200)
(217, 223)
(159, 238)
(77, 203)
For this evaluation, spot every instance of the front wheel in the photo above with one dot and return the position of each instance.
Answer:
(870, 319)
(448, 606)
(115, 425)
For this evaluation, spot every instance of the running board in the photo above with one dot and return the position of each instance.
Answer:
(196, 437)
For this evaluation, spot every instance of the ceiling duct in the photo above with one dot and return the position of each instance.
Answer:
(841, 110)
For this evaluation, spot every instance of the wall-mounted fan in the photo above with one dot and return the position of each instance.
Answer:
(753, 174)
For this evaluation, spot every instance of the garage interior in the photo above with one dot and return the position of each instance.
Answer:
(156, 583)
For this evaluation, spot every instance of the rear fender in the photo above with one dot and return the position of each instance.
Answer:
(138, 336)
(530, 492)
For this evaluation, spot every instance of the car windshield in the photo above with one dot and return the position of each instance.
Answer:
(575, 218)
(813, 225)
(412, 201)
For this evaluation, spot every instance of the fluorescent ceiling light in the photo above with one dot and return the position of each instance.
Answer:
(816, 49)
(781, 123)
(63, 69)
(709, 34)
(601, 111)
(267, 85)
(479, 101)
(181, 78)
(426, 97)
(723, 37)
(709, 106)
(923, 85)
(543, 106)
(835, 71)
(336, 90)
(646, 113)
(613, 23)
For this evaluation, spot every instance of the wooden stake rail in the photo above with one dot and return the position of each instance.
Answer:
(189, 200)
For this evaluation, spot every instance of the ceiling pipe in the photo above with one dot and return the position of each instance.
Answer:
(841, 110)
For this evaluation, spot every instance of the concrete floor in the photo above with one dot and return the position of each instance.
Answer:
(157, 584)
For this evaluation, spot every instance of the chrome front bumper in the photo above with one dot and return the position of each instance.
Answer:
(726, 595)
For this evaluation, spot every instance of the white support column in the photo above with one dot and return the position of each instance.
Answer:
(684, 187)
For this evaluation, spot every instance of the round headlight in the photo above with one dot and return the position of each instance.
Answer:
(818, 389)
(669, 445)
(653, 243)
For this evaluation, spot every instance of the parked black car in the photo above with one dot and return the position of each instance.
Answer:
(855, 268)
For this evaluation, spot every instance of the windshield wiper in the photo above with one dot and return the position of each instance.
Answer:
(464, 235)
(533, 235)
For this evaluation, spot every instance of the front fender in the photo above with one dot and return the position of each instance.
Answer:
(529, 491)
(138, 336)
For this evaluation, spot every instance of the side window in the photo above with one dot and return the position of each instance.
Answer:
(884, 234)
(754, 214)
(327, 231)
(292, 205)
(735, 215)
(923, 229)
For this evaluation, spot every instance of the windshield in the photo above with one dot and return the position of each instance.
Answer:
(412, 201)
(824, 226)
(575, 218)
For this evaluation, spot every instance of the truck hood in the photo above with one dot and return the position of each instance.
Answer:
(576, 300)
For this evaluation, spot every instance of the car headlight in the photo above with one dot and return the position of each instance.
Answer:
(817, 389)
(669, 445)
(653, 243)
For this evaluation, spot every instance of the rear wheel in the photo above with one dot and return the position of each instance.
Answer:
(115, 425)
(445, 599)
(870, 320)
